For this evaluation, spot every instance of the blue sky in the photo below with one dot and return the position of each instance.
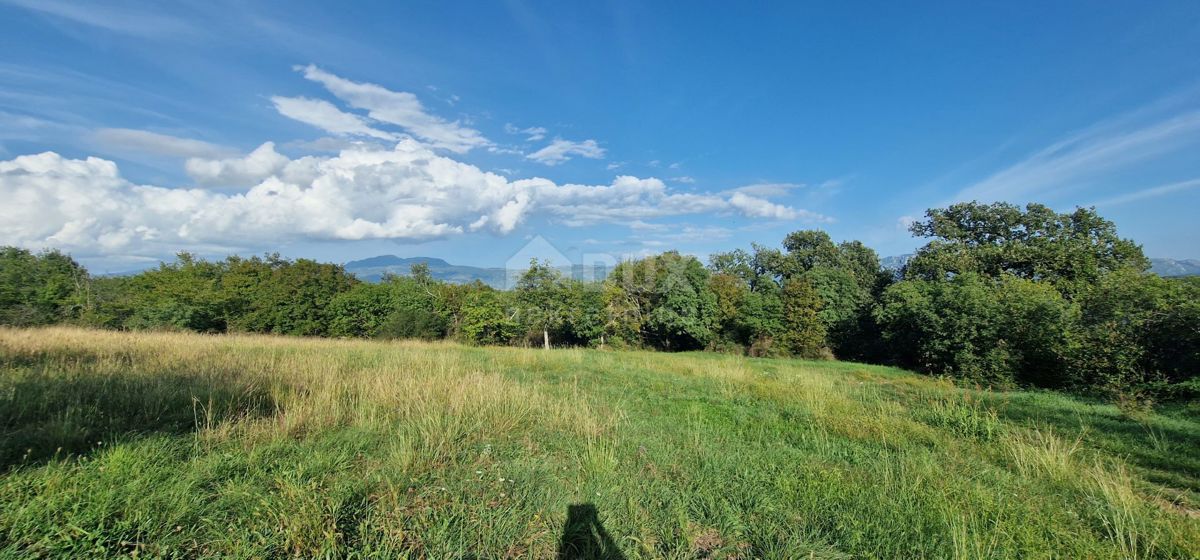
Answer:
(464, 130)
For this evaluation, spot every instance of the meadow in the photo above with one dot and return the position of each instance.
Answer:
(249, 446)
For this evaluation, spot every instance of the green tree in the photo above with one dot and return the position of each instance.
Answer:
(360, 311)
(542, 300)
(586, 313)
(1069, 250)
(676, 306)
(1138, 333)
(760, 321)
(803, 330)
(186, 294)
(730, 291)
(39, 289)
(997, 331)
(487, 317)
(289, 297)
(414, 309)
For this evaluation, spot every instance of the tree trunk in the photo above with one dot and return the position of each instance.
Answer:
(546, 338)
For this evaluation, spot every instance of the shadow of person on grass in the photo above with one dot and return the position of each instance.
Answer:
(584, 537)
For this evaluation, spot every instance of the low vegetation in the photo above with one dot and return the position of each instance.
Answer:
(176, 444)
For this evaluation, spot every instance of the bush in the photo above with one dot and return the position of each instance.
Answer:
(412, 323)
(1137, 336)
(487, 319)
(991, 331)
(40, 289)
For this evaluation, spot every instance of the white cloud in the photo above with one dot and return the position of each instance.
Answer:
(561, 150)
(256, 166)
(695, 234)
(325, 116)
(684, 179)
(125, 140)
(399, 108)
(763, 208)
(768, 189)
(535, 133)
(407, 193)
(532, 134)
(1148, 193)
(639, 225)
(1086, 156)
(110, 17)
(335, 144)
(758, 207)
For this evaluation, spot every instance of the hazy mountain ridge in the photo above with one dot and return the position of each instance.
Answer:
(1174, 267)
(373, 269)
(1161, 266)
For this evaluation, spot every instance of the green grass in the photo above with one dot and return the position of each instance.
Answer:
(247, 446)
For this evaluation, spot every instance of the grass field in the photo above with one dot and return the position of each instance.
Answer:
(185, 445)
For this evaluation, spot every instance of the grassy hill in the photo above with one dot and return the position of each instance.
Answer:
(252, 446)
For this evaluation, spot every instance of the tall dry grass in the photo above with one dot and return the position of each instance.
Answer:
(252, 446)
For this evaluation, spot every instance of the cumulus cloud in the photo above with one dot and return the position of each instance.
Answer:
(124, 140)
(326, 116)
(762, 208)
(399, 108)
(406, 193)
(561, 150)
(256, 166)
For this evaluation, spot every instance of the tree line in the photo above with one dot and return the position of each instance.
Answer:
(1000, 295)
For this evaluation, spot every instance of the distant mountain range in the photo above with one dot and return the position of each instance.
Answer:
(895, 262)
(1161, 267)
(373, 269)
(1172, 267)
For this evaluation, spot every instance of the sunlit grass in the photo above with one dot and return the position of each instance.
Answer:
(254, 446)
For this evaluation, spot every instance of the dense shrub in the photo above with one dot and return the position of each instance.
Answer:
(412, 323)
(1137, 333)
(360, 311)
(40, 289)
(998, 331)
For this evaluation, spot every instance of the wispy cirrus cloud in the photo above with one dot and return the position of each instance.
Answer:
(1152, 192)
(108, 17)
(768, 189)
(123, 140)
(1087, 155)
(326, 116)
(399, 108)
